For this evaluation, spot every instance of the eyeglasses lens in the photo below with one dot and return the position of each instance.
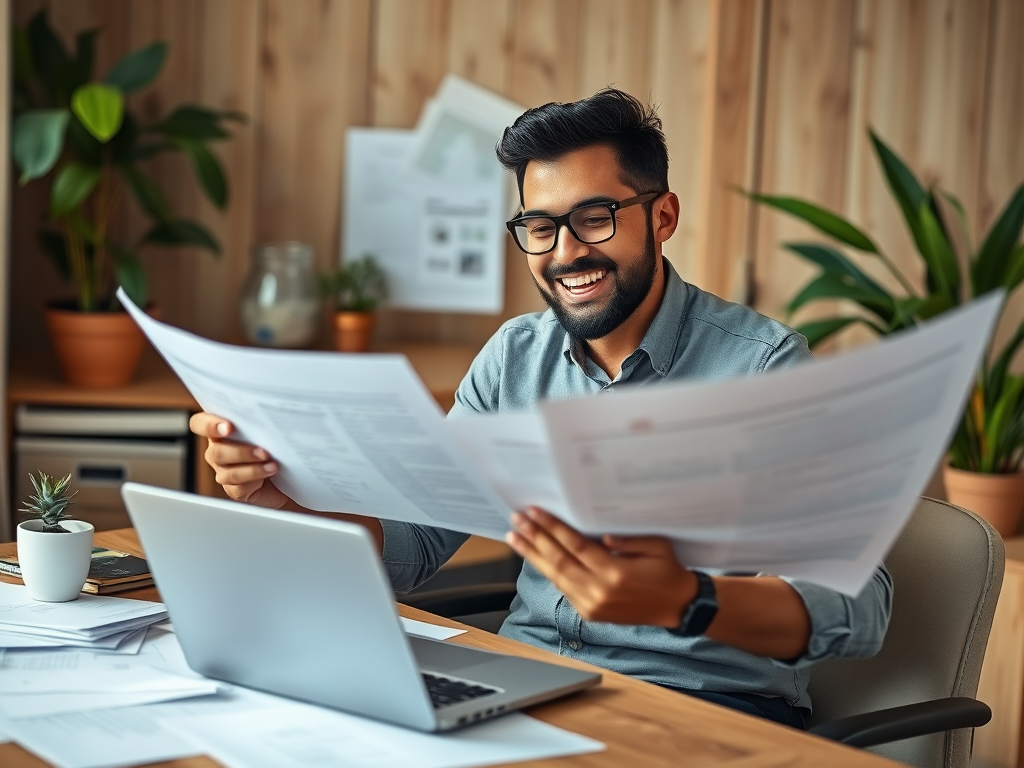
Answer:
(594, 224)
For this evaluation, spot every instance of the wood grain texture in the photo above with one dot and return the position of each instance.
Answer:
(640, 723)
(679, 89)
(315, 68)
(807, 100)
(1002, 676)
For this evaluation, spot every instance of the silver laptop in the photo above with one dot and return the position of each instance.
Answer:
(301, 606)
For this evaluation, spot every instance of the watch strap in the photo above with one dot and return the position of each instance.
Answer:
(702, 609)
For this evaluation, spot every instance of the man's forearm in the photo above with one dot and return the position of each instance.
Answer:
(761, 615)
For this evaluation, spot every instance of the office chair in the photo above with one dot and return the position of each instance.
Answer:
(913, 702)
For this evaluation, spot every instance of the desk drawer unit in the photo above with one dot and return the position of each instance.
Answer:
(101, 450)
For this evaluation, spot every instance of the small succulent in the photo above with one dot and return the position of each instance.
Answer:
(50, 501)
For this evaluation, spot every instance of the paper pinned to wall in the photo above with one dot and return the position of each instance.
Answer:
(430, 204)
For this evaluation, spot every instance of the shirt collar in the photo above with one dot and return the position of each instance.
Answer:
(662, 337)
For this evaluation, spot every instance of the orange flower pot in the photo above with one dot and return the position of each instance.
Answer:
(998, 499)
(95, 349)
(353, 331)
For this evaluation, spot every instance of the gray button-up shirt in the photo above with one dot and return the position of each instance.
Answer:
(695, 335)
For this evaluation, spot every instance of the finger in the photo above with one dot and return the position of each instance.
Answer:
(245, 473)
(244, 491)
(550, 550)
(222, 453)
(563, 575)
(209, 425)
(648, 546)
(593, 556)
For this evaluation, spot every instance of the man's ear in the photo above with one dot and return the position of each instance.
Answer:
(665, 216)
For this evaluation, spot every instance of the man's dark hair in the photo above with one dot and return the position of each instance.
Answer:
(610, 117)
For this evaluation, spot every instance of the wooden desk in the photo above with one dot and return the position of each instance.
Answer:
(641, 724)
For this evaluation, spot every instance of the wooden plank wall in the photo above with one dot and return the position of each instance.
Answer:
(5, 208)
(767, 94)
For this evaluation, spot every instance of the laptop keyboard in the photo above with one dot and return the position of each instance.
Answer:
(444, 691)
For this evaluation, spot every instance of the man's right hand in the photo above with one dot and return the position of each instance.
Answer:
(243, 470)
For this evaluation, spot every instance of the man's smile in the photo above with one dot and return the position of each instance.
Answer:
(584, 284)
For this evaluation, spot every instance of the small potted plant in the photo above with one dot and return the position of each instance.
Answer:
(54, 552)
(358, 287)
(79, 134)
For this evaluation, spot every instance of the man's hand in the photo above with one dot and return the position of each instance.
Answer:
(622, 580)
(243, 470)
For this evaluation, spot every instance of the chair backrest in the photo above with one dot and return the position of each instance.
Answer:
(947, 568)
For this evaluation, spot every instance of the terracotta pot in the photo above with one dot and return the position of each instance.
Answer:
(353, 331)
(999, 499)
(95, 349)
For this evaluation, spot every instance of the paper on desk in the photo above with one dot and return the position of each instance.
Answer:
(127, 735)
(429, 631)
(120, 642)
(353, 433)
(303, 736)
(87, 617)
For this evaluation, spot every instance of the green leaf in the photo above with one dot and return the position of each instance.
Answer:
(83, 143)
(182, 232)
(832, 286)
(80, 68)
(825, 221)
(72, 186)
(835, 262)
(37, 140)
(100, 108)
(208, 171)
(138, 68)
(994, 257)
(916, 308)
(1015, 272)
(132, 276)
(938, 253)
(818, 331)
(123, 145)
(49, 57)
(961, 214)
(55, 247)
(191, 122)
(147, 194)
(1006, 409)
(998, 372)
(146, 151)
(905, 188)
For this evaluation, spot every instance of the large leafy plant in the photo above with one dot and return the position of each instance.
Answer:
(990, 437)
(78, 131)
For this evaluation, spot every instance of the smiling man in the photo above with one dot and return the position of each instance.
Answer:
(596, 211)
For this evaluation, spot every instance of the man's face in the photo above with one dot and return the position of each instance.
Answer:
(592, 289)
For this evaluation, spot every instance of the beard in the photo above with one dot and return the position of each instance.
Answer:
(592, 320)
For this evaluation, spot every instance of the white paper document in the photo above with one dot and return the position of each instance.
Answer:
(301, 736)
(429, 631)
(86, 618)
(809, 472)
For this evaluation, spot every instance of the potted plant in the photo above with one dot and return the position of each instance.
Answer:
(358, 287)
(987, 453)
(77, 133)
(54, 552)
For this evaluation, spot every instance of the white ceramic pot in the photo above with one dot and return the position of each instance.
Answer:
(54, 566)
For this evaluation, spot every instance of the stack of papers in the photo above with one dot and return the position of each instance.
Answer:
(91, 621)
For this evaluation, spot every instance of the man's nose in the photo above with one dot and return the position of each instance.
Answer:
(568, 248)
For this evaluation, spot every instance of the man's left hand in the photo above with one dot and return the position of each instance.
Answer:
(621, 579)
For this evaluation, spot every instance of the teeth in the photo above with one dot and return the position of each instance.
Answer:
(578, 280)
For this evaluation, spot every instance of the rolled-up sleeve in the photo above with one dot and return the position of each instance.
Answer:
(413, 553)
(843, 626)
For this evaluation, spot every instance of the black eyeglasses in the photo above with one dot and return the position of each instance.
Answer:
(591, 224)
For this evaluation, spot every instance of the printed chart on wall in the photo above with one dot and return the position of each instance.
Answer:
(430, 203)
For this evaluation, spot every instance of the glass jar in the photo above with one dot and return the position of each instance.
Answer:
(280, 301)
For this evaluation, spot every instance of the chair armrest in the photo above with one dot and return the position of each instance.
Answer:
(463, 601)
(898, 723)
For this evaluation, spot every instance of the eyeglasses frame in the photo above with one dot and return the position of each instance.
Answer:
(563, 220)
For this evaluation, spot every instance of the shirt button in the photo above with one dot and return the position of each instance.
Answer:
(575, 645)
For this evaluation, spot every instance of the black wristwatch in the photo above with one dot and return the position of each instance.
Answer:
(701, 611)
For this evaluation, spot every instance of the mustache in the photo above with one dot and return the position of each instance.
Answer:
(553, 272)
